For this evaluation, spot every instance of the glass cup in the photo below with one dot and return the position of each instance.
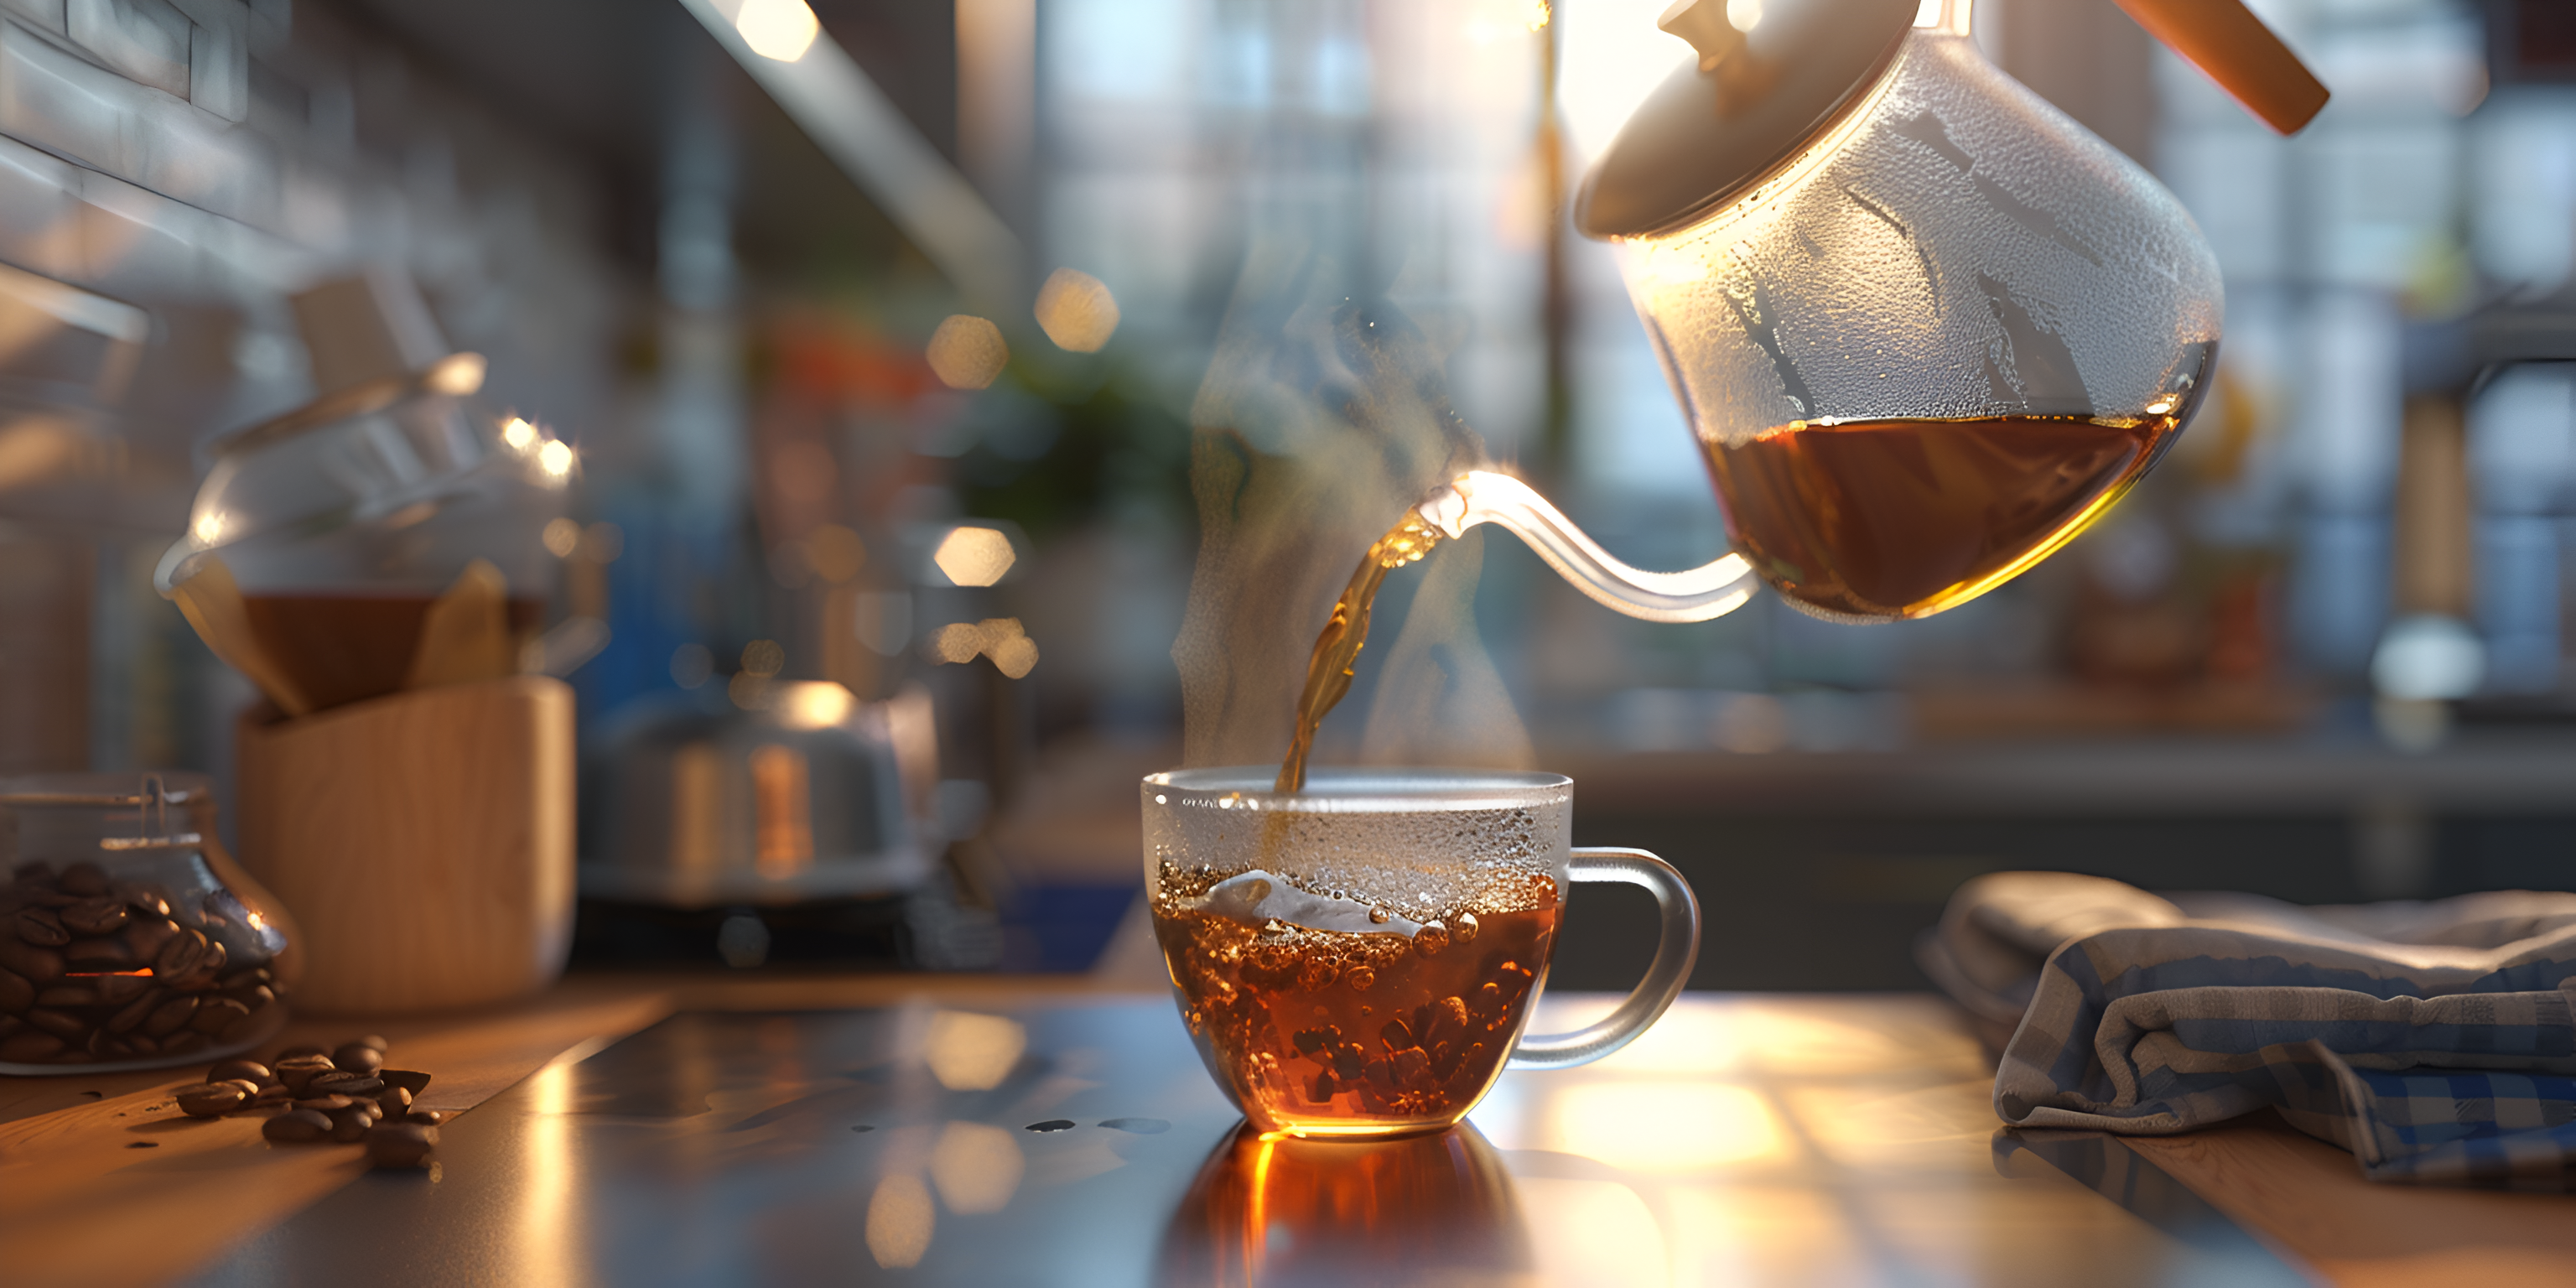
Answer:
(1357, 959)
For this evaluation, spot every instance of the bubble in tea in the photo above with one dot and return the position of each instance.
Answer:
(1358, 973)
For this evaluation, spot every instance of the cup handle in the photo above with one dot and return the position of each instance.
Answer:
(1674, 954)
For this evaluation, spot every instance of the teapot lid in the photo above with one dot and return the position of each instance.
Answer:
(1753, 99)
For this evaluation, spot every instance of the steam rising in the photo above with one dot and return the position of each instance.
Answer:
(1321, 418)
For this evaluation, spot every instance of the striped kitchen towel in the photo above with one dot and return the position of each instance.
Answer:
(2436, 1041)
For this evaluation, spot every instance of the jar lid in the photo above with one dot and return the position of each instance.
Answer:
(1753, 99)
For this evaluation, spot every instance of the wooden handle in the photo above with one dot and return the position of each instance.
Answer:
(2224, 39)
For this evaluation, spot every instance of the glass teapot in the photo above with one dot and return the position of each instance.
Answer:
(1925, 327)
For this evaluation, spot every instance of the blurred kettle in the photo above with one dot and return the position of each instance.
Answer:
(794, 792)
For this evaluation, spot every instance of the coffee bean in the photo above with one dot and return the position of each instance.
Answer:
(324, 1104)
(347, 1082)
(409, 1080)
(400, 1144)
(136, 1012)
(117, 990)
(299, 1071)
(349, 1126)
(40, 927)
(183, 1042)
(248, 1087)
(84, 879)
(30, 1046)
(216, 1014)
(146, 903)
(36, 963)
(100, 955)
(211, 1099)
(394, 1101)
(61, 1024)
(16, 994)
(184, 956)
(296, 1127)
(362, 1058)
(147, 936)
(255, 997)
(143, 1044)
(294, 1051)
(372, 1041)
(274, 1093)
(253, 1070)
(68, 993)
(242, 979)
(94, 917)
(171, 1016)
(426, 1117)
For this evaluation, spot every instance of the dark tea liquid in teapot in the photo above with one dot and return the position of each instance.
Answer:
(1905, 517)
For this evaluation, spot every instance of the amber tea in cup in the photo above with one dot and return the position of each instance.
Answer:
(1359, 958)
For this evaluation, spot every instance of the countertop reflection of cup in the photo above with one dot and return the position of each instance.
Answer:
(1358, 959)
(1418, 1209)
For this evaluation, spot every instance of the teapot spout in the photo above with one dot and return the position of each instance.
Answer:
(1695, 595)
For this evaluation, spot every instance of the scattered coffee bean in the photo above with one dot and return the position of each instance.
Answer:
(211, 1099)
(325, 1104)
(294, 1051)
(426, 1117)
(83, 880)
(359, 1057)
(296, 1127)
(394, 1101)
(400, 1144)
(349, 1126)
(248, 1087)
(251, 1069)
(299, 1071)
(271, 1096)
(343, 1082)
(373, 1041)
(410, 1080)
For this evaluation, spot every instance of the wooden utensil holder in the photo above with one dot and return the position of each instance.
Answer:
(423, 841)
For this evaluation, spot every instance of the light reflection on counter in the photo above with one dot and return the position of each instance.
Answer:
(1747, 1140)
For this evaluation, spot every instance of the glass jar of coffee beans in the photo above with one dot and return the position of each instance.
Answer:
(128, 938)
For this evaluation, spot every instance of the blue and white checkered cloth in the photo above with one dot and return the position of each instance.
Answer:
(2436, 1041)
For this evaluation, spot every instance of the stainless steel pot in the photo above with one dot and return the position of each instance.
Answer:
(798, 793)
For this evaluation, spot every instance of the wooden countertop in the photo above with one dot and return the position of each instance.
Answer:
(1753, 1138)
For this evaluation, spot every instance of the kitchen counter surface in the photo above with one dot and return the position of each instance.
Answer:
(647, 1129)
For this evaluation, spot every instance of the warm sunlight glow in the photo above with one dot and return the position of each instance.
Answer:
(777, 29)
(555, 458)
(1667, 1127)
(970, 1052)
(974, 556)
